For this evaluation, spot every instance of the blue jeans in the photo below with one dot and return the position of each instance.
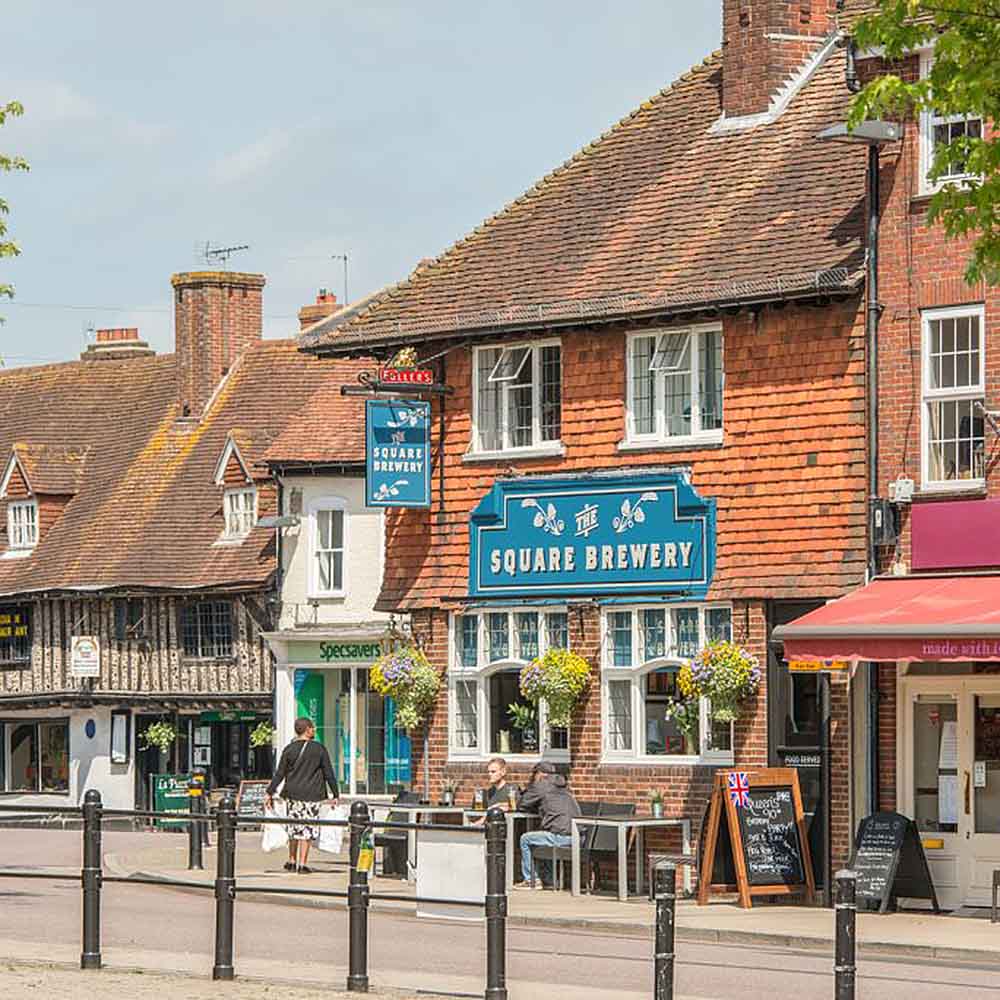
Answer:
(539, 838)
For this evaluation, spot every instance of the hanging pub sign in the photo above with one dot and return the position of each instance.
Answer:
(614, 534)
(398, 453)
(85, 656)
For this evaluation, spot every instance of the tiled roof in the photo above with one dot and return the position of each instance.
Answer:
(660, 214)
(55, 469)
(147, 512)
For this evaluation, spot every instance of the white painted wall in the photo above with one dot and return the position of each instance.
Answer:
(90, 762)
(364, 558)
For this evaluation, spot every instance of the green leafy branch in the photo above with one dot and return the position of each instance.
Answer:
(8, 248)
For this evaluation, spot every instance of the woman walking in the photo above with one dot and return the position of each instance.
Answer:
(307, 773)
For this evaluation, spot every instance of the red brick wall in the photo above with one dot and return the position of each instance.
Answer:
(233, 475)
(217, 315)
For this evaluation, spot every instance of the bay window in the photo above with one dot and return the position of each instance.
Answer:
(675, 381)
(643, 651)
(517, 397)
(488, 715)
(953, 391)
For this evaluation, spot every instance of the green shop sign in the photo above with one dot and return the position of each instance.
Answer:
(236, 716)
(362, 652)
(170, 795)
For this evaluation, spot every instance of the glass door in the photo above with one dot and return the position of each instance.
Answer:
(981, 788)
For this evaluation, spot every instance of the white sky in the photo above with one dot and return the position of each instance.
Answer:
(304, 129)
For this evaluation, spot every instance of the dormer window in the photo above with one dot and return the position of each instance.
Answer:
(22, 525)
(240, 508)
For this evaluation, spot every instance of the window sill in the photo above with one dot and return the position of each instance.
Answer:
(478, 757)
(678, 760)
(330, 595)
(34, 791)
(17, 554)
(227, 541)
(692, 441)
(553, 450)
(209, 660)
(959, 488)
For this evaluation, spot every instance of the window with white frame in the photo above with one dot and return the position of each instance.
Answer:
(240, 508)
(675, 383)
(329, 535)
(644, 648)
(517, 397)
(22, 524)
(953, 393)
(939, 130)
(488, 714)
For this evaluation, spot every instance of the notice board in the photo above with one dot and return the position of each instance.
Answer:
(890, 862)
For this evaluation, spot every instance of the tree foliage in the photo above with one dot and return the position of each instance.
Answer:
(8, 248)
(964, 79)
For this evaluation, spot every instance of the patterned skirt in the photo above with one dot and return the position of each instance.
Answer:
(303, 812)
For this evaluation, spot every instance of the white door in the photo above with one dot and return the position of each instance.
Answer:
(980, 786)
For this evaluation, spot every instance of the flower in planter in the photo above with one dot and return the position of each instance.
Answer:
(406, 676)
(558, 678)
(160, 735)
(725, 674)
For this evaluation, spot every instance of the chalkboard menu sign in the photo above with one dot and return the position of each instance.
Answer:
(754, 838)
(250, 798)
(770, 836)
(890, 862)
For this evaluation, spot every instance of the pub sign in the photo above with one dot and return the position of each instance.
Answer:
(398, 453)
(595, 535)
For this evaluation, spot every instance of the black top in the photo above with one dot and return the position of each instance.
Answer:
(306, 779)
(498, 796)
(548, 796)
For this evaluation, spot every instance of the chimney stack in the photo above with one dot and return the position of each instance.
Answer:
(117, 344)
(217, 316)
(763, 43)
(326, 304)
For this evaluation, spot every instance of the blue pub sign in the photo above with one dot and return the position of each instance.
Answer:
(397, 453)
(604, 535)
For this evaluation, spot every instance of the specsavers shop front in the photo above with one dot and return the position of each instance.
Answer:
(325, 678)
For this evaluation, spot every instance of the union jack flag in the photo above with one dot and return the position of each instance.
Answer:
(739, 789)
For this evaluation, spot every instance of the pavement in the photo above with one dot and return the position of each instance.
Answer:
(909, 935)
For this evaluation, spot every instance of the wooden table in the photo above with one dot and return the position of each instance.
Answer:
(623, 824)
(511, 845)
(414, 811)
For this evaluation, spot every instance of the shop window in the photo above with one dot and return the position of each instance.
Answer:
(240, 507)
(675, 380)
(517, 397)
(207, 629)
(22, 525)
(130, 619)
(643, 650)
(15, 635)
(36, 756)
(938, 131)
(490, 648)
(953, 394)
(329, 537)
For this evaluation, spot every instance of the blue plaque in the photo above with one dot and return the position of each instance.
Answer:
(592, 535)
(398, 453)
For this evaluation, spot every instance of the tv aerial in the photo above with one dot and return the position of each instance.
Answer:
(215, 256)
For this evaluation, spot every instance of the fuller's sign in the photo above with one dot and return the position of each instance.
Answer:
(646, 533)
(406, 376)
(398, 465)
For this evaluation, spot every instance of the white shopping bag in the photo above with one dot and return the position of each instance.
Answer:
(275, 835)
(331, 838)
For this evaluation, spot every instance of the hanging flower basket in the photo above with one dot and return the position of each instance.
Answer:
(160, 735)
(725, 674)
(406, 676)
(262, 735)
(558, 678)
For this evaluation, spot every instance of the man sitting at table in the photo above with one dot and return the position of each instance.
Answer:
(552, 800)
(499, 789)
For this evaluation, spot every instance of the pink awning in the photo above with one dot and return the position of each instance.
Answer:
(903, 618)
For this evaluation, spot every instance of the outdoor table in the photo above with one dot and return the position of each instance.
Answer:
(413, 811)
(623, 824)
(511, 817)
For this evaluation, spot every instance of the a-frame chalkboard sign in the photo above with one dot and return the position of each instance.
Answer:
(756, 834)
(890, 862)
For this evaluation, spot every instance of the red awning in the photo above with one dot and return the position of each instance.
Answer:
(903, 618)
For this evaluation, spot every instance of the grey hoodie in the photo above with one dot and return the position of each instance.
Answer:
(552, 800)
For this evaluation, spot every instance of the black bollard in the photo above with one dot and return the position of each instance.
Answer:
(90, 877)
(225, 888)
(666, 912)
(357, 901)
(845, 967)
(496, 905)
(195, 859)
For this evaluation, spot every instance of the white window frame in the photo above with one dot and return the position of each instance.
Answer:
(930, 395)
(636, 673)
(659, 435)
(236, 525)
(481, 673)
(928, 119)
(329, 503)
(537, 446)
(22, 537)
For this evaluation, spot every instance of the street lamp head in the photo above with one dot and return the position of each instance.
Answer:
(869, 133)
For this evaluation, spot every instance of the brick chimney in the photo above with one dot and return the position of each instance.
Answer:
(217, 316)
(326, 304)
(117, 344)
(764, 42)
